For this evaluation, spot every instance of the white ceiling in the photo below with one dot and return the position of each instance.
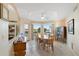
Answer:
(52, 11)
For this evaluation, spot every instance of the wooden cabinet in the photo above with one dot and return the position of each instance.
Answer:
(19, 48)
(1, 11)
(61, 34)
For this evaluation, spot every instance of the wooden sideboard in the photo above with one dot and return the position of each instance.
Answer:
(19, 48)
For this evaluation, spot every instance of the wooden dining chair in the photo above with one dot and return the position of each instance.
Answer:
(39, 39)
(50, 43)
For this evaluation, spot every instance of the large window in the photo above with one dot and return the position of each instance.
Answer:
(36, 28)
(47, 28)
(43, 29)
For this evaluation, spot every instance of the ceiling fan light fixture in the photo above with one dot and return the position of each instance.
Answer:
(42, 17)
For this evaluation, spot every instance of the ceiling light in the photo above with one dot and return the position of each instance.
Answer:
(42, 15)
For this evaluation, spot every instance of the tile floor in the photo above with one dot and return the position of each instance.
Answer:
(60, 49)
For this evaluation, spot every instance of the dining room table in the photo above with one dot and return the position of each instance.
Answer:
(48, 40)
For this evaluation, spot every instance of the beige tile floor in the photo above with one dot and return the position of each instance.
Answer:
(60, 49)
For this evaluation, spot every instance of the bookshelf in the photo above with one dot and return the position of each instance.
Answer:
(12, 30)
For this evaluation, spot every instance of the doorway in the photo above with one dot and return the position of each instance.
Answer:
(26, 28)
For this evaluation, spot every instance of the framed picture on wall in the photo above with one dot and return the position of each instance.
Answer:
(71, 26)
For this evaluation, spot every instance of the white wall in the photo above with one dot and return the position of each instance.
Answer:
(22, 28)
(74, 39)
(4, 42)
